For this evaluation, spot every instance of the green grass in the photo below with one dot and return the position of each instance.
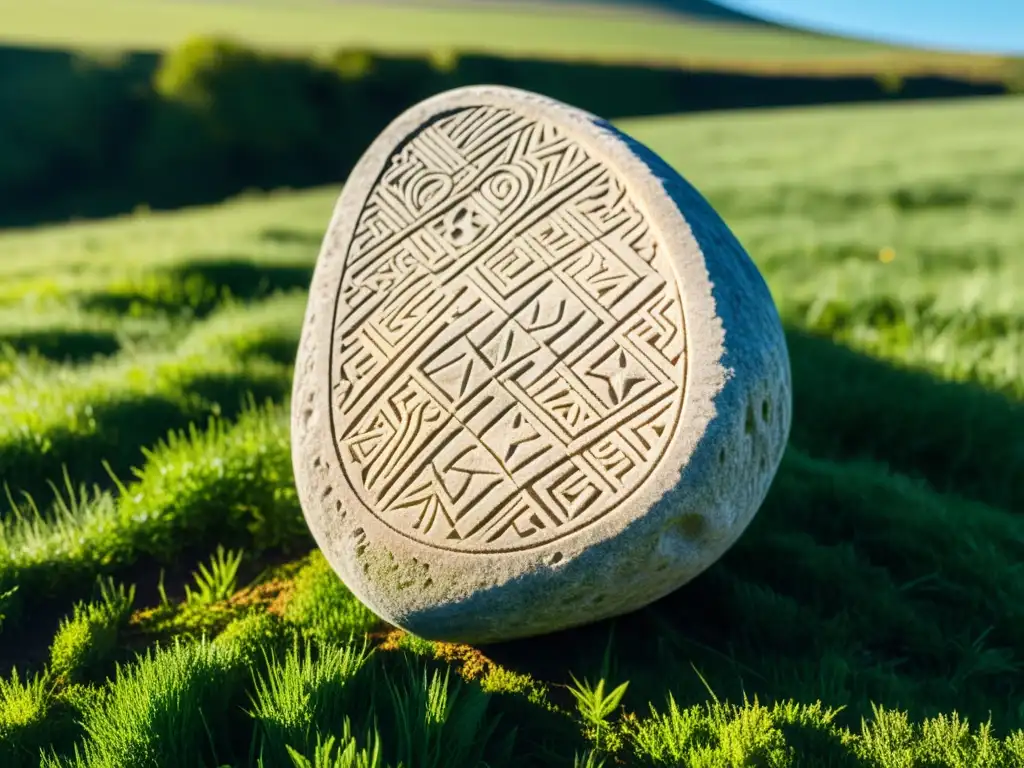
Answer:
(617, 34)
(56, 417)
(872, 615)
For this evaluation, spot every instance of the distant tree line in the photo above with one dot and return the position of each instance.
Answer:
(91, 135)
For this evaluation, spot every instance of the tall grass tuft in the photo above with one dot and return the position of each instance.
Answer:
(437, 721)
(216, 581)
(341, 752)
(200, 486)
(23, 709)
(90, 635)
(303, 689)
(161, 710)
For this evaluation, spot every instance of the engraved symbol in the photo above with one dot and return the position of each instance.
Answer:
(572, 491)
(646, 431)
(451, 489)
(359, 363)
(462, 226)
(613, 459)
(424, 503)
(464, 474)
(366, 445)
(524, 522)
(407, 311)
(558, 238)
(382, 448)
(570, 410)
(620, 376)
(523, 434)
(536, 324)
(604, 204)
(505, 188)
(509, 269)
(511, 343)
(428, 189)
(456, 378)
(602, 275)
(660, 328)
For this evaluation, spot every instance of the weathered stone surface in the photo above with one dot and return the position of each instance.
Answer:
(539, 383)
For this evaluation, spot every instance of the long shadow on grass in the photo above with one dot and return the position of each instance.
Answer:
(244, 278)
(124, 429)
(854, 583)
(201, 285)
(961, 438)
(62, 345)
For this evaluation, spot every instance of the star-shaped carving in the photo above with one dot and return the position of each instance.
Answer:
(619, 374)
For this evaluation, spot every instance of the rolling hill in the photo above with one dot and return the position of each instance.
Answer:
(686, 33)
(705, 11)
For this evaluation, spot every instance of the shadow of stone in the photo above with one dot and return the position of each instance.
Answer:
(961, 438)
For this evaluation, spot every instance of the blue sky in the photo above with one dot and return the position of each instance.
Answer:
(971, 25)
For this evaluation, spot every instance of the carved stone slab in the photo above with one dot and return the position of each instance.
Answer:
(539, 383)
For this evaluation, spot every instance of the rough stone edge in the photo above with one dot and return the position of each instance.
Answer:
(733, 336)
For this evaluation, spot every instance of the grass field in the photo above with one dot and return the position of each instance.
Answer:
(872, 615)
(609, 35)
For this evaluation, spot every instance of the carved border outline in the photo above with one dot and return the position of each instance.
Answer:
(569, 528)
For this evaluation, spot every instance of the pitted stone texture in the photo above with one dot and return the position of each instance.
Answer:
(539, 383)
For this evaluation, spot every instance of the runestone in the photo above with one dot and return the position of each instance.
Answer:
(513, 393)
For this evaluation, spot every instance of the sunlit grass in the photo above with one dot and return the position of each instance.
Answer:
(870, 616)
(74, 416)
(201, 485)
